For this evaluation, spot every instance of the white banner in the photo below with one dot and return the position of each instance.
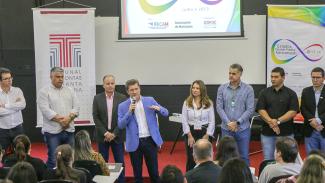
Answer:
(295, 42)
(66, 38)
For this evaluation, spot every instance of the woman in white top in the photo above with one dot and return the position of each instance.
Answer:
(198, 119)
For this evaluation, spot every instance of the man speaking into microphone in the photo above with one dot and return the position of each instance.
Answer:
(138, 116)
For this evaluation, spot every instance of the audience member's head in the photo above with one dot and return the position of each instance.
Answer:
(171, 174)
(226, 149)
(317, 152)
(286, 150)
(202, 151)
(312, 170)
(22, 172)
(64, 160)
(2, 152)
(82, 146)
(6, 181)
(235, 170)
(22, 147)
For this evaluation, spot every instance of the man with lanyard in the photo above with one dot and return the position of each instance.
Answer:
(235, 105)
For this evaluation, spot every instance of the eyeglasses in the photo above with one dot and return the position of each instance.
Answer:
(5, 79)
(316, 78)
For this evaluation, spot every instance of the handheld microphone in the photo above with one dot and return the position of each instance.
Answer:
(133, 100)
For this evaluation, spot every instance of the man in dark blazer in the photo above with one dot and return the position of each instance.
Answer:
(313, 111)
(206, 170)
(109, 135)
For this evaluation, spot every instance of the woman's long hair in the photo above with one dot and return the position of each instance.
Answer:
(83, 149)
(312, 170)
(205, 100)
(64, 159)
(22, 146)
(22, 172)
(226, 149)
(235, 170)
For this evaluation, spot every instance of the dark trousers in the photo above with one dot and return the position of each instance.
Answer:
(53, 141)
(7, 135)
(147, 148)
(197, 134)
(118, 153)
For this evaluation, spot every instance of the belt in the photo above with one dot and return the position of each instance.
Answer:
(145, 138)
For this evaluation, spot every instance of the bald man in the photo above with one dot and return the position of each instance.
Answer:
(205, 170)
(105, 117)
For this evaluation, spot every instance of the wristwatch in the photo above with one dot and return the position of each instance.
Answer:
(278, 122)
(237, 122)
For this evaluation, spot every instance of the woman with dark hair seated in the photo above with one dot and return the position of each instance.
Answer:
(226, 149)
(22, 172)
(84, 151)
(22, 148)
(63, 170)
(172, 174)
(235, 170)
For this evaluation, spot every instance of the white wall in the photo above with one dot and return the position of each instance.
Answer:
(159, 62)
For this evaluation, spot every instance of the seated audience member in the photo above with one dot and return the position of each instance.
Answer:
(286, 151)
(3, 171)
(317, 152)
(22, 172)
(171, 174)
(226, 149)
(2, 152)
(313, 170)
(205, 171)
(84, 151)
(235, 170)
(63, 169)
(6, 181)
(22, 148)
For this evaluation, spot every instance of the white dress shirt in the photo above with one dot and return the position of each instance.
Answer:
(52, 101)
(317, 97)
(109, 103)
(141, 119)
(197, 118)
(10, 114)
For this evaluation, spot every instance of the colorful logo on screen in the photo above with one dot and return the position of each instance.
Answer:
(285, 50)
(156, 9)
(312, 15)
(211, 2)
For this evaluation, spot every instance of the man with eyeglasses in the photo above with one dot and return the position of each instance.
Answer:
(313, 111)
(12, 102)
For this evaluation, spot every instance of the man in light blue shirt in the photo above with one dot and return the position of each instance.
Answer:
(235, 105)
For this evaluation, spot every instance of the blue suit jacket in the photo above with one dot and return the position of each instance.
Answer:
(128, 120)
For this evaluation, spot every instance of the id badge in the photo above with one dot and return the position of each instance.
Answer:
(197, 127)
(232, 103)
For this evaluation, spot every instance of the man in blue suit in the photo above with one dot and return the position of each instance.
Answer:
(138, 116)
